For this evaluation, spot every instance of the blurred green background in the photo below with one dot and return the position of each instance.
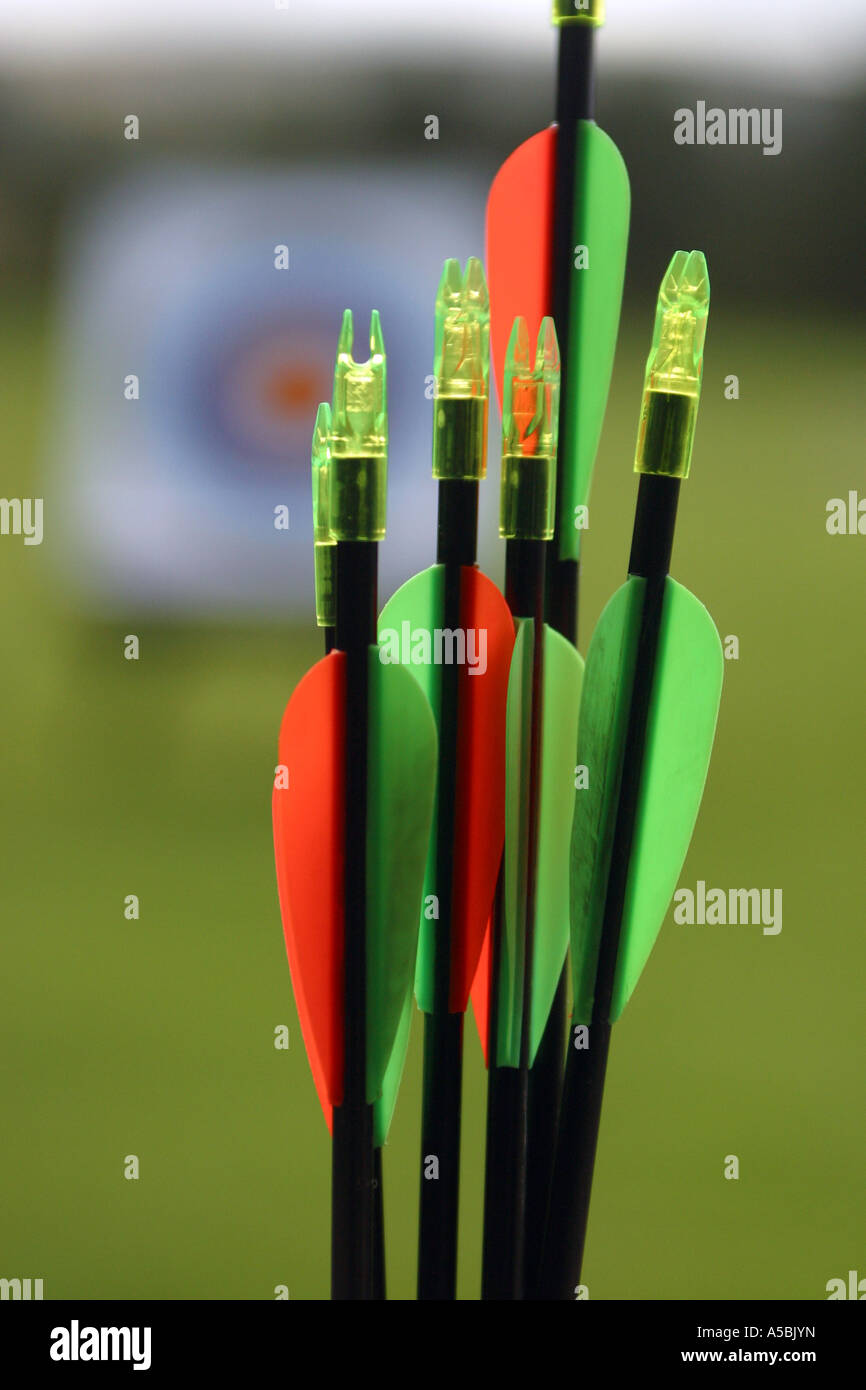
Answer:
(155, 1037)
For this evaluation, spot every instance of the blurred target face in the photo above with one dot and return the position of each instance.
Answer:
(172, 485)
(262, 392)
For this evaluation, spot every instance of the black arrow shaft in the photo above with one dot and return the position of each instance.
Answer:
(508, 1136)
(379, 1281)
(443, 1030)
(353, 1183)
(580, 1112)
(575, 101)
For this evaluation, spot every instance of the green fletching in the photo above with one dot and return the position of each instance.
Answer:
(401, 754)
(509, 985)
(383, 1109)
(683, 710)
(600, 224)
(563, 679)
(563, 672)
(604, 709)
(680, 732)
(420, 602)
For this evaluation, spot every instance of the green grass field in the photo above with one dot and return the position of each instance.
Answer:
(155, 1037)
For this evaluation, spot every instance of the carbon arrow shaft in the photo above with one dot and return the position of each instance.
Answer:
(508, 1126)
(461, 374)
(353, 1186)
(575, 101)
(530, 422)
(378, 1246)
(443, 1030)
(652, 542)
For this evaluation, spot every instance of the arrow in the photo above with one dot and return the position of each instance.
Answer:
(529, 927)
(453, 602)
(647, 723)
(352, 809)
(326, 608)
(557, 231)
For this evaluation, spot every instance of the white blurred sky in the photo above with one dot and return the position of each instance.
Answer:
(794, 40)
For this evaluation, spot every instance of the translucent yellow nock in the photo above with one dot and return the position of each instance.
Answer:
(578, 12)
(530, 427)
(323, 541)
(359, 439)
(461, 368)
(672, 387)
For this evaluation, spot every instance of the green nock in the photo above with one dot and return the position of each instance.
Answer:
(672, 387)
(359, 439)
(461, 369)
(578, 12)
(530, 426)
(326, 599)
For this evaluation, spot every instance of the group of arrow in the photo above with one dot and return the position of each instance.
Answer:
(452, 827)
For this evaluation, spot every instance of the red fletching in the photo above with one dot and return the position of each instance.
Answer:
(479, 829)
(519, 276)
(308, 845)
(481, 994)
(519, 243)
